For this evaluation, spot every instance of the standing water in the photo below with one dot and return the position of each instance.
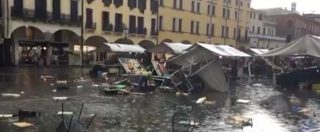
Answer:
(269, 108)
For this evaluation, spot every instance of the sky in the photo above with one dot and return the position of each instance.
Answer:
(303, 6)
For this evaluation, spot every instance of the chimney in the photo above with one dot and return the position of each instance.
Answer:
(294, 7)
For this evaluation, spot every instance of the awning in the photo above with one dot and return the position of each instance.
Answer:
(173, 48)
(200, 52)
(223, 50)
(259, 51)
(306, 45)
(124, 48)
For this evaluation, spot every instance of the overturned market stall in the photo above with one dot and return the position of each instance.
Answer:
(124, 48)
(259, 51)
(202, 60)
(308, 45)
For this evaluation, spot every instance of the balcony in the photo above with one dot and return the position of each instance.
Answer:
(28, 14)
(107, 28)
(91, 26)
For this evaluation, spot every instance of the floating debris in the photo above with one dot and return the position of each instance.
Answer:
(209, 102)
(239, 121)
(79, 86)
(22, 92)
(60, 98)
(65, 113)
(243, 101)
(6, 115)
(22, 124)
(54, 90)
(10, 95)
(201, 100)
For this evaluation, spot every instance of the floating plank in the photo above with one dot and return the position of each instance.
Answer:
(65, 113)
(201, 100)
(6, 115)
(243, 101)
(59, 98)
(22, 124)
(10, 95)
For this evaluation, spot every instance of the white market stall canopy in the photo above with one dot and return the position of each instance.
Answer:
(223, 50)
(306, 45)
(123, 48)
(173, 48)
(259, 51)
(205, 52)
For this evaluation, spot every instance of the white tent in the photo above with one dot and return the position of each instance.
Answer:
(259, 51)
(122, 48)
(173, 48)
(205, 52)
(306, 45)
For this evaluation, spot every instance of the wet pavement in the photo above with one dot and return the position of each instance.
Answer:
(271, 109)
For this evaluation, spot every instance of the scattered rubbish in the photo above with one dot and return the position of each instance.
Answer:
(13, 119)
(181, 93)
(65, 113)
(79, 86)
(51, 84)
(243, 101)
(27, 114)
(201, 100)
(54, 90)
(59, 98)
(209, 102)
(305, 110)
(166, 89)
(62, 82)
(95, 85)
(22, 92)
(191, 123)
(110, 92)
(10, 95)
(22, 124)
(6, 115)
(239, 121)
(44, 78)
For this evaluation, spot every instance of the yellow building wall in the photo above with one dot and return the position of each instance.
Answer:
(186, 15)
(98, 7)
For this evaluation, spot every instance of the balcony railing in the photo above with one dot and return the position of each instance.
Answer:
(91, 25)
(107, 28)
(28, 14)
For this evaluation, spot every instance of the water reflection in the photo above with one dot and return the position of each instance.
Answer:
(270, 109)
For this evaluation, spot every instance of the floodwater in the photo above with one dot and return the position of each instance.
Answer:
(270, 109)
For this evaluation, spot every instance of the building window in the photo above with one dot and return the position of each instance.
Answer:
(254, 15)
(175, 4)
(181, 5)
(118, 3)
(264, 31)
(180, 25)
(253, 28)
(290, 23)
(239, 34)
(226, 13)
(161, 3)
(198, 7)
(258, 32)
(141, 29)
(210, 32)
(74, 11)
(160, 22)
(236, 15)
(191, 27)
(246, 35)
(193, 6)
(225, 32)
(106, 26)
(132, 24)
(56, 10)
(211, 9)
(106, 2)
(260, 17)
(118, 23)
(174, 24)
(153, 27)
(41, 9)
(89, 21)
(234, 33)
(251, 15)
(197, 27)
